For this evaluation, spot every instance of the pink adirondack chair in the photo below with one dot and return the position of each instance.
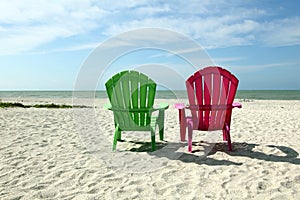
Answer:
(211, 92)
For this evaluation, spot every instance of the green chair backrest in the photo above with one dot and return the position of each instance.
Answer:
(131, 95)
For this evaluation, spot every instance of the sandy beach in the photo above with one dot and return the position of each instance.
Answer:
(66, 154)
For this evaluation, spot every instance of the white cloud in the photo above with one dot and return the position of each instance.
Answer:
(210, 32)
(251, 68)
(120, 4)
(150, 10)
(31, 11)
(216, 25)
(227, 59)
(282, 32)
(27, 25)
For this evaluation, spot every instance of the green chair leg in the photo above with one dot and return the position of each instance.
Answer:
(153, 144)
(117, 137)
(161, 133)
(160, 119)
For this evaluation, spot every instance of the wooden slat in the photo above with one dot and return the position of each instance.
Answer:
(191, 96)
(143, 95)
(125, 77)
(233, 83)
(117, 99)
(219, 113)
(125, 89)
(199, 96)
(151, 97)
(232, 86)
(109, 88)
(135, 94)
(223, 99)
(207, 98)
(215, 97)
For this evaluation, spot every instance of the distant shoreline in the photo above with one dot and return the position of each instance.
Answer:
(161, 94)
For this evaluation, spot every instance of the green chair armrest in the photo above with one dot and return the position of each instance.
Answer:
(164, 106)
(107, 106)
(161, 107)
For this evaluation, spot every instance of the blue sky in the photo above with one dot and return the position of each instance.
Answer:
(43, 44)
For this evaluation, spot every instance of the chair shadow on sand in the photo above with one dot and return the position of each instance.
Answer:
(169, 150)
(247, 150)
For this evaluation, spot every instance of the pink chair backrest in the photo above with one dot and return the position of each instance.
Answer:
(211, 92)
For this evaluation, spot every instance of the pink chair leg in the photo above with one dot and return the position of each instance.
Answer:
(182, 131)
(190, 134)
(228, 138)
(182, 121)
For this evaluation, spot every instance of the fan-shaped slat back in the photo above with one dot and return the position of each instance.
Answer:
(211, 86)
(131, 90)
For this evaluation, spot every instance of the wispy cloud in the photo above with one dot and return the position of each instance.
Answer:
(27, 25)
(227, 59)
(281, 32)
(251, 68)
(179, 52)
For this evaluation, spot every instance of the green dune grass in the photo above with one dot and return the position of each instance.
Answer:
(52, 105)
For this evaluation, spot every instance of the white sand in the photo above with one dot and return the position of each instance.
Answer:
(66, 154)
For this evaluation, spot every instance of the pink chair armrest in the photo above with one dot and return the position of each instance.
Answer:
(236, 105)
(179, 105)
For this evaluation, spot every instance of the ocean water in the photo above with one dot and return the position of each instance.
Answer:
(269, 94)
(241, 94)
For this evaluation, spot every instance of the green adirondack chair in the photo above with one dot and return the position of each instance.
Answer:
(131, 95)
